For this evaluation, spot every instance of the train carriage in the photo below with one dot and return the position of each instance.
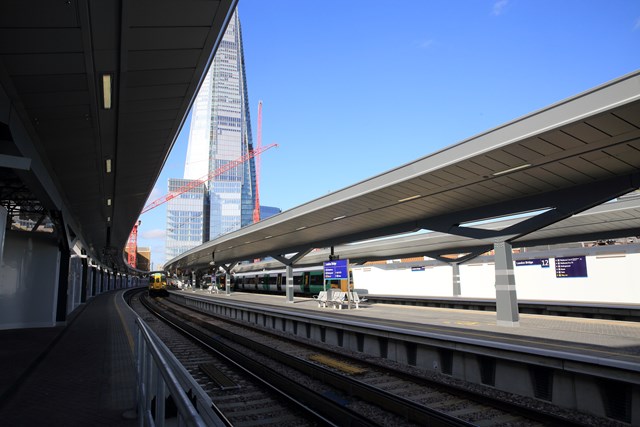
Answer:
(306, 281)
(157, 284)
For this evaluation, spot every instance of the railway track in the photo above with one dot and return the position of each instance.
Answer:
(353, 392)
(241, 398)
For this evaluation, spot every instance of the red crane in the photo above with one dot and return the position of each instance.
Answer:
(256, 208)
(132, 244)
(208, 177)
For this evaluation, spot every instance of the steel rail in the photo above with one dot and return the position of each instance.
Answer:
(328, 412)
(409, 410)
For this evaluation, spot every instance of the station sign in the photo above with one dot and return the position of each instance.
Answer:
(571, 267)
(542, 262)
(336, 269)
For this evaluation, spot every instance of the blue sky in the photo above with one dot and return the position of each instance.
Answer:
(353, 88)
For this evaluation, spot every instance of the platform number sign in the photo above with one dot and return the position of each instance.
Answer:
(542, 262)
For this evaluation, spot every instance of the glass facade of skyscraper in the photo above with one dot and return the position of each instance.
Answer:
(220, 132)
(187, 217)
(231, 193)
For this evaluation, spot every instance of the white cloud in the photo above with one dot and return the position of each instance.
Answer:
(153, 234)
(499, 6)
(425, 44)
(156, 193)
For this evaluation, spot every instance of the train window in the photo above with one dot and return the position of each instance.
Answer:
(316, 279)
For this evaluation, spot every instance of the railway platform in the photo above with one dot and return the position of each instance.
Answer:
(591, 366)
(84, 373)
(610, 341)
(81, 374)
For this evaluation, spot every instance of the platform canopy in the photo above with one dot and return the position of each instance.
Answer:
(613, 220)
(556, 162)
(92, 97)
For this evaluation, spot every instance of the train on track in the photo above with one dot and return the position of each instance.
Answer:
(307, 281)
(158, 284)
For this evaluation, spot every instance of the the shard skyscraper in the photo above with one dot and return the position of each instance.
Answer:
(220, 133)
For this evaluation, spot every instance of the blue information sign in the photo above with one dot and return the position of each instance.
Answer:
(571, 267)
(337, 269)
(542, 262)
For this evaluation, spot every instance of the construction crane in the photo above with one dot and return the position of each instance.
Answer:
(208, 177)
(132, 244)
(256, 207)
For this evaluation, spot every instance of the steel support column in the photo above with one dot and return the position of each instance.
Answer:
(506, 298)
(3, 229)
(289, 262)
(289, 285)
(63, 283)
(456, 279)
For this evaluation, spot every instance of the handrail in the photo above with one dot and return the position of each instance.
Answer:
(160, 376)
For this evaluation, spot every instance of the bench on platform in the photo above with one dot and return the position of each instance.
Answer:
(354, 298)
(321, 298)
(332, 297)
(335, 298)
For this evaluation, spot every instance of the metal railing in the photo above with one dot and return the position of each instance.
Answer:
(167, 393)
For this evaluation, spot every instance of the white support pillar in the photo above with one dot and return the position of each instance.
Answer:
(227, 283)
(506, 298)
(456, 279)
(289, 284)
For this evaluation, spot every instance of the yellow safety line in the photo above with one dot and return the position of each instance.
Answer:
(536, 344)
(124, 325)
(466, 332)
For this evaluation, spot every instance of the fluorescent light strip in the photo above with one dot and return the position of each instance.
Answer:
(301, 228)
(108, 165)
(512, 169)
(106, 91)
(108, 202)
(339, 217)
(406, 199)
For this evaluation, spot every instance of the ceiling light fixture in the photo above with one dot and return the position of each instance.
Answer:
(108, 165)
(339, 217)
(108, 202)
(512, 169)
(106, 91)
(406, 199)
(301, 228)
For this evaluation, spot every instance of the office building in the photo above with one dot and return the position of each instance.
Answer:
(220, 133)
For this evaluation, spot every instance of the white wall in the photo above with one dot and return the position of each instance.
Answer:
(28, 281)
(611, 278)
